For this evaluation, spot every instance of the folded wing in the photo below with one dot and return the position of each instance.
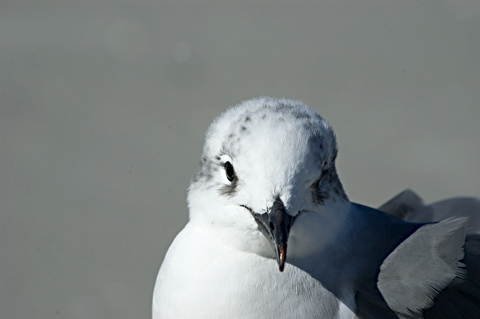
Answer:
(426, 273)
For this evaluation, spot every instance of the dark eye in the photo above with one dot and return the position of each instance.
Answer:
(229, 171)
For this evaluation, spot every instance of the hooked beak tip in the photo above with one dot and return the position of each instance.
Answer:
(275, 225)
(282, 257)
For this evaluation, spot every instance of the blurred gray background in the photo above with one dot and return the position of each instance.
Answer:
(104, 105)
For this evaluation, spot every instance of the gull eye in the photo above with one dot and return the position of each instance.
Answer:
(229, 171)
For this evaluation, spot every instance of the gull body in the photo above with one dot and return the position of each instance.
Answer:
(272, 233)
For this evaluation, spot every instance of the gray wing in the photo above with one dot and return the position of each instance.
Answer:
(461, 298)
(409, 206)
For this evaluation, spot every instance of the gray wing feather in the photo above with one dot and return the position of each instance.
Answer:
(403, 204)
(461, 299)
(409, 206)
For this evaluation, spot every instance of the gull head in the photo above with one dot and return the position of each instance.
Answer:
(267, 180)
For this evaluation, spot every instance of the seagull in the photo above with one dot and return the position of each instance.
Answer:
(272, 234)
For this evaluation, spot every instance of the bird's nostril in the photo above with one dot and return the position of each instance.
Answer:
(272, 226)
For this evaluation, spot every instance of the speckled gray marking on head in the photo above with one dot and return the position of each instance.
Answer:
(327, 183)
(318, 196)
(230, 131)
(316, 144)
(206, 170)
(302, 115)
(332, 179)
(230, 189)
(280, 106)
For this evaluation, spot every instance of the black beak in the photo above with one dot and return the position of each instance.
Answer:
(275, 226)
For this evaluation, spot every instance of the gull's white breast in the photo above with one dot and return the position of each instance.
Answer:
(201, 278)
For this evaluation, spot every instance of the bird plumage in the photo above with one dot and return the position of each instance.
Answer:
(267, 189)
